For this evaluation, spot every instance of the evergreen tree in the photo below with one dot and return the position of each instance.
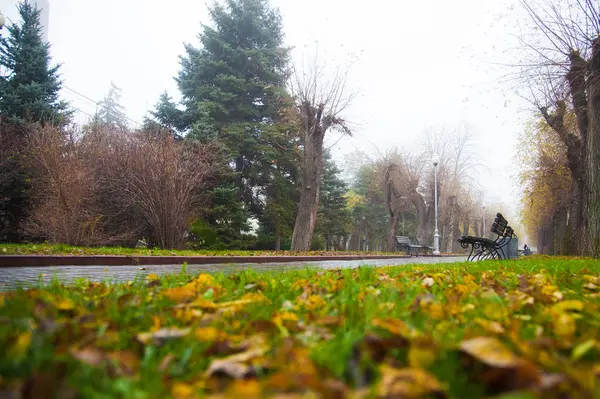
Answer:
(333, 221)
(111, 112)
(233, 89)
(167, 114)
(30, 90)
(29, 93)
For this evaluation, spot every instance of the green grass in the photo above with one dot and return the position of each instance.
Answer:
(61, 249)
(326, 332)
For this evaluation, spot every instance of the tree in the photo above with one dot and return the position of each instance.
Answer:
(167, 114)
(233, 90)
(320, 105)
(30, 90)
(29, 93)
(111, 112)
(562, 74)
(547, 194)
(333, 216)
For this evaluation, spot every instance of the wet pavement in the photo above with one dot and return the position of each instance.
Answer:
(11, 277)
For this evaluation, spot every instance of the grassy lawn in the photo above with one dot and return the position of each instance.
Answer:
(513, 329)
(61, 249)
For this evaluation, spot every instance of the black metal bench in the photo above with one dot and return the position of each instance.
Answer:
(485, 248)
(404, 243)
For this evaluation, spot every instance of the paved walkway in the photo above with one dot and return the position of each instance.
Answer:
(15, 276)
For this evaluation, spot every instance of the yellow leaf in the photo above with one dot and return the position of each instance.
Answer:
(155, 323)
(65, 304)
(387, 306)
(152, 277)
(582, 348)
(204, 279)
(208, 334)
(182, 390)
(244, 389)
(564, 325)
(490, 351)
(180, 294)
(407, 383)
(394, 326)
(421, 355)
(22, 344)
(572, 305)
(491, 327)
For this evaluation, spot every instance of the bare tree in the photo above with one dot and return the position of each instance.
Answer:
(457, 162)
(320, 102)
(393, 179)
(561, 69)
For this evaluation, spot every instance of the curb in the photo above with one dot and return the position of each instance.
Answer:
(116, 260)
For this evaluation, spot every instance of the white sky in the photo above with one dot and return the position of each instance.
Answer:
(420, 63)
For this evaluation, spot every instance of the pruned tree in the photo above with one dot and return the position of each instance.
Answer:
(561, 72)
(321, 102)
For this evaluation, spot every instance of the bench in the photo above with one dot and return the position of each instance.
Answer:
(405, 244)
(485, 248)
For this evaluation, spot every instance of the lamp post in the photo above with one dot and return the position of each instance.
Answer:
(484, 230)
(436, 234)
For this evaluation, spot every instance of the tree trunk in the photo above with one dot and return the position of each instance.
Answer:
(309, 192)
(559, 226)
(422, 216)
(278, 242)
(593, 206)
(455, 246)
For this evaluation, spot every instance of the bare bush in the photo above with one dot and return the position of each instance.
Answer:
(64, 209)
(104, 186)
(161, 180)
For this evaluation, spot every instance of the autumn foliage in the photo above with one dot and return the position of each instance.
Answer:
(469, 331)
(107, 186)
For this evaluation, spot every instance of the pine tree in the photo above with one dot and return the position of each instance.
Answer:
(167, 114)
(233, 89)
(333, 221)
(111, 112)
(30, 90)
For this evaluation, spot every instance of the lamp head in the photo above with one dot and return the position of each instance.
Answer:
(435, 159)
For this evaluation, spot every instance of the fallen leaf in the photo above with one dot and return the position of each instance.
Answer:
(581, 349)
(163, 335)
(427, 282)
(395, 327)
(235, 366)
(65, 304)
(182, 390)
(21, 345)
(490, 351)
(90, 356)
(564, 325)
(492, 327)
(167, 360)
(407, 383)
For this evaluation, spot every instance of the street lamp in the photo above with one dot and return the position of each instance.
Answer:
(436, 234)
(484, 230)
